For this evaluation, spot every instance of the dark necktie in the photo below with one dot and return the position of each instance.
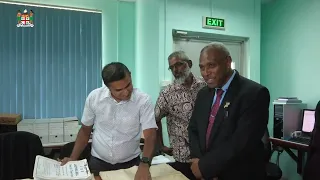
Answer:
(214, 111)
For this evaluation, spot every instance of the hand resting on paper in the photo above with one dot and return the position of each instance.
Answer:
(143, 172)
(65, 160)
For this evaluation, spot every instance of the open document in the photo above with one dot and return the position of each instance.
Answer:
(158, 172)
(49, 169)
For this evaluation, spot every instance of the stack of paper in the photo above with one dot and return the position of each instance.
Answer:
(49, 169)
(160, 160)
(158, 172)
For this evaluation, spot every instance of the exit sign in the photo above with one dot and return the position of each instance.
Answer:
(213, 23)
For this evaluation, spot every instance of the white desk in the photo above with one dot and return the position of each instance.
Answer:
(58, 145)
(92, 178)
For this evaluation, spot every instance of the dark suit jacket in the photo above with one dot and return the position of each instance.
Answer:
(311, 171)
(235, 148)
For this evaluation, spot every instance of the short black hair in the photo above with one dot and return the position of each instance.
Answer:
(114, 71)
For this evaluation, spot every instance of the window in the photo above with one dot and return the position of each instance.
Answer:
(233, 65)
(48, 70)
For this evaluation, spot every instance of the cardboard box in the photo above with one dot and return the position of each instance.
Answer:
(71, 128)
(56, 130)
(41, 128)
(26, 125)
(10, 119)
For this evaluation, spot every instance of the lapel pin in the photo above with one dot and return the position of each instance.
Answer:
(226, 105)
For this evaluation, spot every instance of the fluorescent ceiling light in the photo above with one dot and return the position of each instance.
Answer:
(51, 6)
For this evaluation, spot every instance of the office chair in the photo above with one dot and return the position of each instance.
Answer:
(311, 170)
(66, 151)
(273, 171)
(18, 153)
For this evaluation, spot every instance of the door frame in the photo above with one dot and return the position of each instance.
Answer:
(182, 35)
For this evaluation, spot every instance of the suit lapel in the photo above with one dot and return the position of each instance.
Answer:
(222, 113)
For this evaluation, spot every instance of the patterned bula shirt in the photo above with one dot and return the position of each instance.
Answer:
(176, 103)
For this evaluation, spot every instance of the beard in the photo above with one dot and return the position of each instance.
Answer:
(184, 76)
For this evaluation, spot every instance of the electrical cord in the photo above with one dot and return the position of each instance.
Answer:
(279, 150)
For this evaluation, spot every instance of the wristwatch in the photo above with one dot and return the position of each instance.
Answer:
(146, 160)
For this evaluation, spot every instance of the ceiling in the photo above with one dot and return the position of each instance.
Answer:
(262, 1)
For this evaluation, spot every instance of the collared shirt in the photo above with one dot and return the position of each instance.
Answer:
(118, 125)
(224, 88)
(176, 103)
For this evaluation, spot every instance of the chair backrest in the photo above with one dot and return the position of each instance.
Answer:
(18, 153)
(267, 146)
(311, 167)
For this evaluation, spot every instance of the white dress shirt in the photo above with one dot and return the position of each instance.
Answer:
(117, 125)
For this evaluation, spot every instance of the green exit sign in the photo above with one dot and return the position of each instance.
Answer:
(213, 23)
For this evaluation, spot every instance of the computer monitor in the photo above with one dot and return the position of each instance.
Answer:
(308, 120)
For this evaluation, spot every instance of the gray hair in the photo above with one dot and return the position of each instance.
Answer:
(179, 55)
(216, 46)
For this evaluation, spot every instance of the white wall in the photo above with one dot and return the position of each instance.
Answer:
(290, 57)
(242, 18)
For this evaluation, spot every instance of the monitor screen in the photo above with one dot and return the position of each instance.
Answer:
(308, 120)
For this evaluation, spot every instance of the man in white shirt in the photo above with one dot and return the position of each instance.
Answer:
(120, 113)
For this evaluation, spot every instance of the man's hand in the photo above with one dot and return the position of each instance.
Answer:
(167, 150)
(65, 160)
(195, 168)
(143, 172)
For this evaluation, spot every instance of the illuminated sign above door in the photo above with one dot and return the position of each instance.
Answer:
(213, 23)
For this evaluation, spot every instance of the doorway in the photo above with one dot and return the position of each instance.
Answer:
(192, 46)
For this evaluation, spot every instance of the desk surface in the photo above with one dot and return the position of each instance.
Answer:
(167, 156)
(92, 178)
(57, 145)
(289, 144)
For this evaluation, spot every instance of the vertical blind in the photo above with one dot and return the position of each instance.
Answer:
(48, 70)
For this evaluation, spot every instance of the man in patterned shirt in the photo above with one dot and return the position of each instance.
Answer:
(176, 103)
(120, 113)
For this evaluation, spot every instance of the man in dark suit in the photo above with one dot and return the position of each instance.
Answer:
(311, 170)
(229, 120)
